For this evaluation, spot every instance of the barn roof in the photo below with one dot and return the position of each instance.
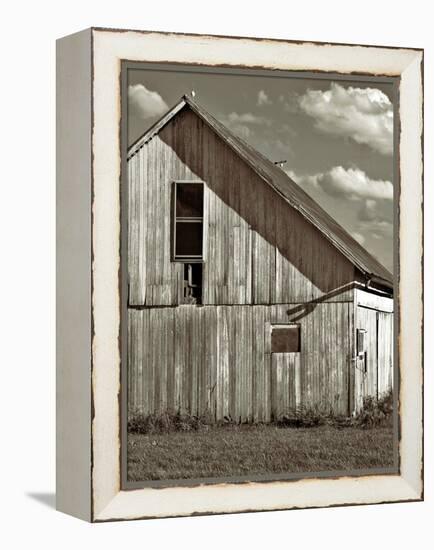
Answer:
(284, 186)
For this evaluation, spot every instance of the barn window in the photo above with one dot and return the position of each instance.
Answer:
(285, 338)
(188, 222)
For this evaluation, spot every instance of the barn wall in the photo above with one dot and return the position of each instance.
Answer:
(385, 352)
(258, 250)
(218, 359)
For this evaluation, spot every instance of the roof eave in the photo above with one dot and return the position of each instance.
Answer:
(155, 128)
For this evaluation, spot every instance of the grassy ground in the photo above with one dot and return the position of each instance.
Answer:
(255, 450)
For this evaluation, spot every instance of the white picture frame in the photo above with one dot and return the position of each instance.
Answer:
(88, 267)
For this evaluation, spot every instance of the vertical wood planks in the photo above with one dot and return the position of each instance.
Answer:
(367, 371)
(217, 359)
(285, 381)
(385, 352)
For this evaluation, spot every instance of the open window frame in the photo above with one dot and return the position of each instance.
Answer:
(176, 219)
(89, 316)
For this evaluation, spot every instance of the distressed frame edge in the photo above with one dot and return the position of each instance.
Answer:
(256, 39)
(113, 510)
(411, 491)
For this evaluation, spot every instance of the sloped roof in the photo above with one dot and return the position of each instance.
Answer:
(282, 184)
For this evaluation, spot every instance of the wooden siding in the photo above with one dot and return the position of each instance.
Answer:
(385, 353)
(263, 264)
(258, 250)
(285, 383)
(374, 372)
(218, 360)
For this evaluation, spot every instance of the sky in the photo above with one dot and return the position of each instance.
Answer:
(335, 136)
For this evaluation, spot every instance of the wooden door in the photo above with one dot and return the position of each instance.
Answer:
(285, 383)
(385, 352)
(366, 360)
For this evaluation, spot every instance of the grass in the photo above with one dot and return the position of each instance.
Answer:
(240, 450)
(375, 412)
(307, 439)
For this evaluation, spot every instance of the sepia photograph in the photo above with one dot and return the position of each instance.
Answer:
(217, 236)
(259, 260)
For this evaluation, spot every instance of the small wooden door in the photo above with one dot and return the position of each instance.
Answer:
(374, 364)
(366, 360)
(385, 352)
(285, 383)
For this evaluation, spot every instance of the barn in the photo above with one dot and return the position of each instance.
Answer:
(245, 298)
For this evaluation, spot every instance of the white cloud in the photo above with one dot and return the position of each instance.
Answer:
(242, 123)
(362, 114)
(351, 183)
(263, 99)
(305, 180)
(144, 102)
(377, 216)
(375, 219)
(354, 184)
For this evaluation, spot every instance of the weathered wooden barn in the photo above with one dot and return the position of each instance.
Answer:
(245, 298)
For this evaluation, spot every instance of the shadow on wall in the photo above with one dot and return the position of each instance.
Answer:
(266, 212)
(298, 312)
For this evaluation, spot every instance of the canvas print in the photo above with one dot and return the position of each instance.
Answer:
(259, 262)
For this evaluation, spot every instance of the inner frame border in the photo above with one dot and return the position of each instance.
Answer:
(353, 77)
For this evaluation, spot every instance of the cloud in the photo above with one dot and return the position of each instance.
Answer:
(362, 114)
(290, 102)
(305, 180)
(145, 103)
(351, 183)
(263, 99)
(376, 217)
(369, 211)
(354, 184)
(242, 123)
